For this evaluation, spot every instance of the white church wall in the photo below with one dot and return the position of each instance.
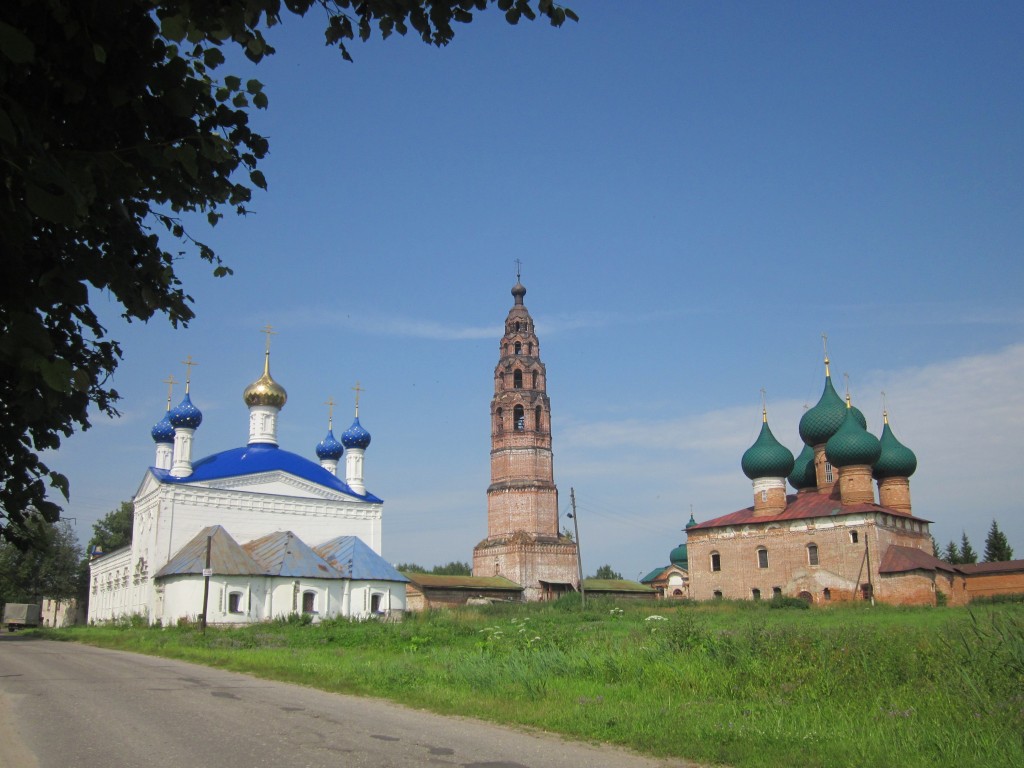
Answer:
(110, 586)
(181, 597)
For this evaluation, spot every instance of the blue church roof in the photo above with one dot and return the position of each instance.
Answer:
(355, 560)
(258, 458)
(284, 554)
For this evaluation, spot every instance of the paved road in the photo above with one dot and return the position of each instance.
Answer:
(64, 705)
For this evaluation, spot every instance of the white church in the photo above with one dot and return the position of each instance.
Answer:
(282, 534)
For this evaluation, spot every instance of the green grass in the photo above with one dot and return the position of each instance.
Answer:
(733, 683)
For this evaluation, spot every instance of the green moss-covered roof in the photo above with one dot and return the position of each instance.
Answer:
(614, 585)
(461, 582)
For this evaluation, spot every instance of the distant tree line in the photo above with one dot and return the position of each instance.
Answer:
(997, 549)
(454, 568)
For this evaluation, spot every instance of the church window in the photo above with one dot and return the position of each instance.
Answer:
(807, 597)
(718, 594)
(827, 593)
(517, 379)
(534, 379)
(375, 603)
(762, 558)
(519, 418)
(309, 602)
(866, 591)
(755, 593)
(517, 326)
(812, 554)
(501, 418)
(828, 472)
(776, 591)
(716, 561)
(536, 418)
(853, 537)
(519, 348)
(234, 602)
(497, 568)
(529, 348)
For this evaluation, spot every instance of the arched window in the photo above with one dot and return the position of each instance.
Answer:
(518, 348)
(536, 418)
(776, 591)
(517, 326)
(755, 593)
(812, 554)
(716, 561)
(828, 472)
(529, 348)
(762, 557)
(807, 597)
(309, 602)
(517, 379)
(534, 379)
(500, 421)
(827, 593)
(519, 418)
(718, 594)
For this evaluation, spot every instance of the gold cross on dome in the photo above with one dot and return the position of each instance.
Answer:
(519, 267)
(357, 389)
(189, 364)
(269, 330)
(170, 382)
(824, 343)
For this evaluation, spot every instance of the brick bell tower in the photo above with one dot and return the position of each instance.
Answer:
(523, 543)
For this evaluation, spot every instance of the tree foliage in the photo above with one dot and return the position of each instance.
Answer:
(116, 126)
(967, 553)
(606, 572)
(113, 530)
(51, 569)
(997, 547)
(951, 554)
(454, 568)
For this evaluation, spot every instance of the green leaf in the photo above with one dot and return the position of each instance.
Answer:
(260, 100)
(15, 46)
(174, 28)
(239, 101)
(570, 14)
(58, 208)
(233, 83)
(253, 86)
(258, 179)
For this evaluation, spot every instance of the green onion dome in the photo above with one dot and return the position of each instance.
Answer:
(852, 445)
(803, 475)
(767, 457)
(691, 522)
(678, 556)
(822, 421)
(896, 459)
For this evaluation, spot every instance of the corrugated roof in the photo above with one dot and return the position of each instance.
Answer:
(355, 560)
(649, 577)
(227, 558)
(258, 458)
(898, 559)
(614, 585)
(1005, 566)
(284, 554)
(431, 580)
(801, 506)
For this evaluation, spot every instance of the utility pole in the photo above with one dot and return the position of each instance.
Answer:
(579, 555)
(207, 572)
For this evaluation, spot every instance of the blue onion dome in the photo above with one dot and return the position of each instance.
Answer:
(678, 556)
(896, 460)
(185, 415)
(163, 431)
(329, 447)
(822, 421)
(265, 391)
(355, 436)
(852, 445)
(767, 457)
(803, 475)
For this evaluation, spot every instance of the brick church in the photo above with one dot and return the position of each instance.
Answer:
(523, 542)
(832, 540)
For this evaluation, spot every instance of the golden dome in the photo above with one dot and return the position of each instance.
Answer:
(265, 391)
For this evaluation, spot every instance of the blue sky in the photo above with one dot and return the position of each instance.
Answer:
(696, 191)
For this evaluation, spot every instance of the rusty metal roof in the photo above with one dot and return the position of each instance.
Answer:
(808, 504)
(353, 559)
(284, 554)
(227, 558)
(432, 581)
(899, 559)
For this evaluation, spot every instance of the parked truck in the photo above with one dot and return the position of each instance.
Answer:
(20, 615)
